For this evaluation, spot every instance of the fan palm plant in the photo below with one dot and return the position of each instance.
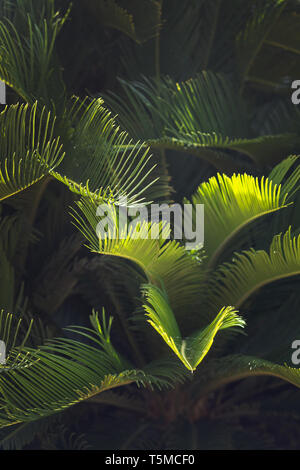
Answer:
(176, 312)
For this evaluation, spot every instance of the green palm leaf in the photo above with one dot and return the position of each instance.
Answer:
(222, 371)
(140, 21)
(252, 270)
(282, 174)
(103, 162)
(194, 348)
(285, 33)
(231, 203)
(64, 372)
(14, 335)
(160, 259)
(201, 116)
(27, 62)
(28, 148)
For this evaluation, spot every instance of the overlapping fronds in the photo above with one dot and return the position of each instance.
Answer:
(251, 270)
(212, 147)
(283, 174)
(27, 54)
(11, 332)
(203, 116)
(193, 349)
(250, 41)
(161, 260)
(231, 203)
(64, 372)
(103, 161)
(277, 60)
(285, 33)
(201, 104)
(141, 20)
(28, 148)
(14, 334)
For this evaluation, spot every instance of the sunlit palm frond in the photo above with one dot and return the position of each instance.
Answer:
(191, 350)
(262, 151)
(232, 203)
(160, 259)
(102, 161)
(28, 148)
(251, 270)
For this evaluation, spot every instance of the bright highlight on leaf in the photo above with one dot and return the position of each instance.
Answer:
(191, 350)
(231, 203)
(254, 269)
(28, 149)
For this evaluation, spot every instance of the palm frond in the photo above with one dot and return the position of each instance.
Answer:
(18, 436)
(283, 174)
(28, 148)
(64, 372)
(202, 104)
(141, 20)
(250, 41)
(219, 372)
(252, 270)
(159, 258)
(231, 204)
(285, 33)
(191, 350)
(202, 116)
(211, 147)
(7, 282)
(103, 161)
(27, 55)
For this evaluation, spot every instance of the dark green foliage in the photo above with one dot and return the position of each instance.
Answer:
(155, 100)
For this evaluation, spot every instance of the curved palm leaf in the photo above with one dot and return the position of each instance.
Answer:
(268, 46)
(232, 203)
(27, 54)
(218, 372)
(282, 174)
(201, 116)
(166, 263)
(250, 41)
(103, 162)
(140, 22)
(160, 259)
(14, 335)
(64, 372)
(192, 349)
(252, 270)
(28, 149)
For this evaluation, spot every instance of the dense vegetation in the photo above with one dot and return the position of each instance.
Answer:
(121, 343)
